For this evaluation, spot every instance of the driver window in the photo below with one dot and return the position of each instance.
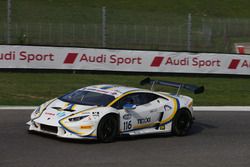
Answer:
(135, 98)
(129, 99)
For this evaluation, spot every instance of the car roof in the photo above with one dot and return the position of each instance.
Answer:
(110, 89)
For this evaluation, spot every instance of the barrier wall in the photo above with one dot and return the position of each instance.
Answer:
(37, 57)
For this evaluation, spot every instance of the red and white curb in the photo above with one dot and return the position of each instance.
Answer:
(196, 108)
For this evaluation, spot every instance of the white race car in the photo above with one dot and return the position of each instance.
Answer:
(104, 112)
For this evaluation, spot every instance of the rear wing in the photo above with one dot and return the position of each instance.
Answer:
(193, 88)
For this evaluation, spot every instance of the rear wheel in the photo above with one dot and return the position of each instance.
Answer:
(182, 122)
(107, 129)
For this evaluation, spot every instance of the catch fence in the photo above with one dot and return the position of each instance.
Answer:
(116, 29)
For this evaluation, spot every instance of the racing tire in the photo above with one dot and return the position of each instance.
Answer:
(182, 122)
(107, 129)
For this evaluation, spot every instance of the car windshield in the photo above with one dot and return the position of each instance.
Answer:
(83, 97)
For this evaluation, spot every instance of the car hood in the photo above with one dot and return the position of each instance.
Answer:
(58, 110)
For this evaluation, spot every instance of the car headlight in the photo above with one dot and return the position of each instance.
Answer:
(36, 113)
(39, 110)
(78, 118)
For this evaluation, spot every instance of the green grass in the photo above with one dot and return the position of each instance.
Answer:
(130, 11)
(35, 88)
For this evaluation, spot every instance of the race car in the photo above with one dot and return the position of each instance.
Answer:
(106, 111)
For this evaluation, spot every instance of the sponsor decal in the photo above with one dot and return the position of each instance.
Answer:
(144, 120)
(157, 61)
(127, 116)
(49, 113)
(185, 61)
(236, 63)
(95, 114)
(86, 126)
(27, 56)
(8, 56)
(112, 59)
(70, 58)
(245, 64)
(38, 57)
(167, 107)
(60, 114)
(127, 125)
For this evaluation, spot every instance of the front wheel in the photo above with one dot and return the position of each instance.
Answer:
(107, 129)
(182, 122)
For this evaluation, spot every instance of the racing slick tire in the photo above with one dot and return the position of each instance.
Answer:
(182, 122)
(107, 129)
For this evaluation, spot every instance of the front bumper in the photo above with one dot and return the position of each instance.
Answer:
(58, 131)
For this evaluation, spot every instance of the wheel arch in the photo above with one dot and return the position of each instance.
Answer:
(116, 116)
(186, 109)
(175, 122)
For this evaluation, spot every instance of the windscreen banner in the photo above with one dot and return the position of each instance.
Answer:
(39, 57)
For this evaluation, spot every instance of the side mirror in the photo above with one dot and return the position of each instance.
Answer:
(129, 106)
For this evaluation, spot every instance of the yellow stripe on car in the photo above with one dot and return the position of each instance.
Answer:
(118, 98)
(145, 126)
(174, 111)
(74, 107)
(73, 130)
(190, 104)
(65, 105)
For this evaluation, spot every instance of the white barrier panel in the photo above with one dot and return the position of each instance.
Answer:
(37, 57)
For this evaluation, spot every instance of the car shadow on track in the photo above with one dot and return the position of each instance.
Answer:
(53, 137)
(197, 128)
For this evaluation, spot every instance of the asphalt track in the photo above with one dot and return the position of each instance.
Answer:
(216, 139)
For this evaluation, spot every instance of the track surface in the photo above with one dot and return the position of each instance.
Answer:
(216, 139)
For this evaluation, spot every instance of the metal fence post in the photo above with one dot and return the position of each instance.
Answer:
(157, 36)
(189, 32)
(83, 34)
(73, 34)
(61, 34)
(168, 39)
(40, 33)
(16, 30)
(146, 35)
(9, 21)
(135, 34)
(114, 35)
(50, 33)
(104, 17)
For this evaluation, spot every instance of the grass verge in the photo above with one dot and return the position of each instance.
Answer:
(36, 88)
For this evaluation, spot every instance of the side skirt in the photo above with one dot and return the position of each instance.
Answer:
(152, 130)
